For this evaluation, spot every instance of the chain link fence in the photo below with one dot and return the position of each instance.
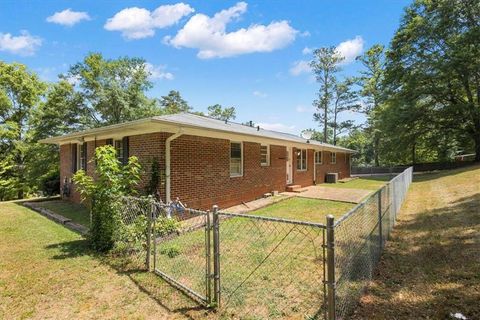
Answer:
(133, 233)
(358, 240)
(249, 266)
(271, 268)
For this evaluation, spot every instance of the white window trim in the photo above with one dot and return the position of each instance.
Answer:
(241, 160)
(114, 141)
(321, 157)
(268, 155)
(79, 156)
(331, 158)
(306, 159)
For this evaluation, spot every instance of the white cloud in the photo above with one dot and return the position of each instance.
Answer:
(299, 67)
(307, 50)
(277, 127)
(260, 94)
(210, 37)
(301, 108)
(305, 34)
(24, 44)
(68, 17)
(138, 23)
(350, 49)
(158, 72)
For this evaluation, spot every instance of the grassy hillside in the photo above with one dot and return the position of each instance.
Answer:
(431, 266)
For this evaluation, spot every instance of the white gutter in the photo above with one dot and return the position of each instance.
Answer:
(168, 164)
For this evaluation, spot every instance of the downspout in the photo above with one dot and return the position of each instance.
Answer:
(314, 168)
(168, 164)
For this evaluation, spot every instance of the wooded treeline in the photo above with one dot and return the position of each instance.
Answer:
(420, 96)
(94, 92)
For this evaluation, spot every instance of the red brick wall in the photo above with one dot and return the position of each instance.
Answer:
(201, 172)
(303, 178)
(147, 147)
(66, 170)
(342, 168)
(200, 169)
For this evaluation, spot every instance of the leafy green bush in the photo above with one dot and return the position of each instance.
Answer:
(112, 181)
(165, 226)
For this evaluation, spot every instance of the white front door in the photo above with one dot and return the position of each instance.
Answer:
(289, 165)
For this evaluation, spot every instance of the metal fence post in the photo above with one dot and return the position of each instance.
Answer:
(149, 234)
(208, 272)
(216, 256)
(380, 231)
(331, 267)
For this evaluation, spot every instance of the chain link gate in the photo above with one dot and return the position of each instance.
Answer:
(181, 246)
(236, 262)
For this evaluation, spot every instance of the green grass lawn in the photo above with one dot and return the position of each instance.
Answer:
(305, 209)
(75, 211)
(430, 268)
(48, 271)
(367, 183)
(286, 284)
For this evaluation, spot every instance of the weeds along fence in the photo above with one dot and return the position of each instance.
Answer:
(249, 266)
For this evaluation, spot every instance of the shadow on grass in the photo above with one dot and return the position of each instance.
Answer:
(165, 295)
(431, 268)
(71, 249)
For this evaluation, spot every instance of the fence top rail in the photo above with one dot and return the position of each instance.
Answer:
(364, 201)
(281, 220)
(398, 175)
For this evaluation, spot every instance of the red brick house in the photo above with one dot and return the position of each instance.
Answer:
(204, 161)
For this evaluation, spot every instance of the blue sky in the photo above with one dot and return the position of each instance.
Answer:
(250, 55)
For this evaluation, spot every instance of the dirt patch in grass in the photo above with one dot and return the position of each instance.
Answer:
(431, 265)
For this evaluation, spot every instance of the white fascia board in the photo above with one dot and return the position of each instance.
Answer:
(152, 125)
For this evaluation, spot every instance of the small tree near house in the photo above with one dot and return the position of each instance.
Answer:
(112, 181)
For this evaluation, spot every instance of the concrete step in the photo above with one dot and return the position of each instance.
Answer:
(300, 190)
(295, 188)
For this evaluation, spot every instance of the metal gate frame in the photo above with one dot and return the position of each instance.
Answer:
(209, 298)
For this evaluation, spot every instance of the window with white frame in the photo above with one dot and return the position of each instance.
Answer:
(236, 159)
(82, 156)
(318, 157)
(119, 148)
(302, 159)
(265, 155)
(334, 158)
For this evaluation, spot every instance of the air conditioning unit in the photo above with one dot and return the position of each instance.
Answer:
(331, 177)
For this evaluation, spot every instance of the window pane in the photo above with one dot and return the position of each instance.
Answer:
(235, 150)
(264, 155)
(119, 149)
(235, 158)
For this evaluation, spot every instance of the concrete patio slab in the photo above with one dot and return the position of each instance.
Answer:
(335, 194)
(259, 203)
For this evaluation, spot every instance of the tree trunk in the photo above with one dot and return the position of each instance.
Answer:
(477, 147)
(375, 149)
(325, 121)
(413, 153)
